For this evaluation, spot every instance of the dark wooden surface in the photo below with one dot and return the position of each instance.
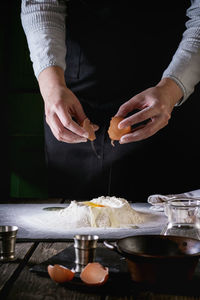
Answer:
(17, 282)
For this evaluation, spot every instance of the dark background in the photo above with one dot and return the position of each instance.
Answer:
(23, 165)
(24, 174)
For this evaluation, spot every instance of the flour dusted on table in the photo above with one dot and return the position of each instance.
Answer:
(102, 212)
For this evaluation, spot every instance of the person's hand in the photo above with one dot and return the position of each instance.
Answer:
(64, 113)
(155, 106)
(60, 106)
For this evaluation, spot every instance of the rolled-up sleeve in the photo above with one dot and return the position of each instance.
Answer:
(44, 26)
(184, 68)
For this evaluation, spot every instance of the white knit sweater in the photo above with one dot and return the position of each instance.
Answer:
(44, 25)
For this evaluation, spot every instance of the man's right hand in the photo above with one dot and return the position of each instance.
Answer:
(61, 105)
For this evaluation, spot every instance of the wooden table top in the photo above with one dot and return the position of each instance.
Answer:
(18, 282)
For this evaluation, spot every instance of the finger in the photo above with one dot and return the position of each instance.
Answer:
(63, 134)
(68, 138)
(141, 116)
(127, 138)
(79, 113)
(70, 124)
(143, 132)
(128, 106)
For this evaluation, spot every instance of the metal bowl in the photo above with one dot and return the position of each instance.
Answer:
(158, 259)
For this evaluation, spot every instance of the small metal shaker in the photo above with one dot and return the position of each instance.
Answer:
(7, 242)
(85, 250)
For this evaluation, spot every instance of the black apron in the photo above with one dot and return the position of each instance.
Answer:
(113, 52)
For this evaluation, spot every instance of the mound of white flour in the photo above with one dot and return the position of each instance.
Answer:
(101, 212)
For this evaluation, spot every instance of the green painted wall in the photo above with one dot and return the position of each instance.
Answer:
(25, 117)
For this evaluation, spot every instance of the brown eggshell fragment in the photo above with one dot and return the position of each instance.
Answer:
(60, 273)
(94, 274)
(88, 127)
(114, 132)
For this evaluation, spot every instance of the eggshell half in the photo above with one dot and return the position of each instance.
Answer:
(114, 132)
(94, 274)
(60, 273)
(88, 127)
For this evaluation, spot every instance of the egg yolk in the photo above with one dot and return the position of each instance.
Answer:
(93, 204)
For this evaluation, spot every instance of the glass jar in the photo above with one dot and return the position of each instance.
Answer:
(183, 218)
